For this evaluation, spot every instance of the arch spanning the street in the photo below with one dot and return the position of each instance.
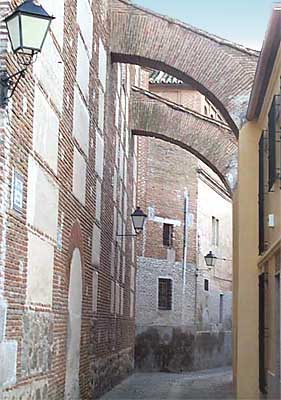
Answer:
(211, 141)
(221, 70)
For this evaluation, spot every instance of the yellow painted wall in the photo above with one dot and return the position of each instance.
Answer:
(247, 264)
(246, 273)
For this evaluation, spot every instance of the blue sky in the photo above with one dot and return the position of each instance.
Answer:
(241, 21)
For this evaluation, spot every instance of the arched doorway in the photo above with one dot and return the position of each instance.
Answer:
(72, 390)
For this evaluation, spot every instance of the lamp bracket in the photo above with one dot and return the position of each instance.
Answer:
(9, 83)
(128, 235)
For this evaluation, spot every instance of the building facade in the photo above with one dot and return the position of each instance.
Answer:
(67, 190)
(257, 263)
(178, 300)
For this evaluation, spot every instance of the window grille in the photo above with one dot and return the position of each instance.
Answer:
(164, 294)
(168, 235)
(261, 194)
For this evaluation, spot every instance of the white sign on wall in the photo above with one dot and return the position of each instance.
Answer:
(17, 191)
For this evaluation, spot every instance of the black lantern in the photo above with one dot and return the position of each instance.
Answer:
(210, 259)
(28, 26)
(138, 219)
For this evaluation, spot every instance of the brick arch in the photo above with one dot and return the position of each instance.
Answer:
(211, 141)
(222, 71)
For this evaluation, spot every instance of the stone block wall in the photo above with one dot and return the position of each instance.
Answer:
(183, 298)
(181, 349)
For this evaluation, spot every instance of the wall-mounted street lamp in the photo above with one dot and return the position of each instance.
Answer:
(211, 259)
(27, 27)
(138, 218)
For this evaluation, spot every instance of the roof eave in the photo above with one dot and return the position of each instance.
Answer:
(266, 64)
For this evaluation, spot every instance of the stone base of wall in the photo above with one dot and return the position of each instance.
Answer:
(37, 390)
(178, 349)
(110, 371)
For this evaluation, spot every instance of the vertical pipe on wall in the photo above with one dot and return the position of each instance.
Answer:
(185, 248)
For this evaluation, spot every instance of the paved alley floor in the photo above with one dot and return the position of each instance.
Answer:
(211, 384)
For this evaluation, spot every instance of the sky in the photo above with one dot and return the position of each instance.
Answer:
(241, 21)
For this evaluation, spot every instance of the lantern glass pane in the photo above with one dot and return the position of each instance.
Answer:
(13, 26)
(34, 31)
(138, 222)
(210, 260)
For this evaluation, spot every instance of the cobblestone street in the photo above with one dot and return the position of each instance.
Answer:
(212, 384)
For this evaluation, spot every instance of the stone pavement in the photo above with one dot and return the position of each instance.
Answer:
(211, 385)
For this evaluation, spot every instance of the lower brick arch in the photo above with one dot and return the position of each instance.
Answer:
(211, 141)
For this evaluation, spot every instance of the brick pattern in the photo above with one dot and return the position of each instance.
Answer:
(104, 336)
(166, 174)
(221, 70)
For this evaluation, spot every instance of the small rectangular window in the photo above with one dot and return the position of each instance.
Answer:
(221, 309)
(206, 285)
(168, 235)
(164, 294)
(215, 231)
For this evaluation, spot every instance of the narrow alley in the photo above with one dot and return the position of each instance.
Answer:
(140, 200)
(211, 384)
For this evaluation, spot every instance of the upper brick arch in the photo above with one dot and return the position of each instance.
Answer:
(222, 71)
(211, 141)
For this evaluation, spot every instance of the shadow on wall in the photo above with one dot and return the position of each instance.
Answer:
(166, 349)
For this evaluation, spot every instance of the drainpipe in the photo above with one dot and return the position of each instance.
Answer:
(185, 246)
(196, 282)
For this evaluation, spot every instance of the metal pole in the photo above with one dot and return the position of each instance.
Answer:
(185, 246)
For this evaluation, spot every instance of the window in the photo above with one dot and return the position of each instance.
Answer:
(215, 231)
(221, 309)
(206, 285)
(272, 145)
(168, 235)
(164, 294)
(261, 195)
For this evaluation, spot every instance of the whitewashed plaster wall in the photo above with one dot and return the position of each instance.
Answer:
(56, 8)
(81, 122)
(212, 204)
(40, 270)
(79, 176)
(96, 245)
(83, 69)
(49, 70)
(42, 200)
(85, 22)
(45, 130)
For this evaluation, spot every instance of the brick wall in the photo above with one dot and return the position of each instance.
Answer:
(62, 143)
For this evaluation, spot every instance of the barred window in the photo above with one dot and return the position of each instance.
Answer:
(206, 285)
(165, 294)
(168, 235)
